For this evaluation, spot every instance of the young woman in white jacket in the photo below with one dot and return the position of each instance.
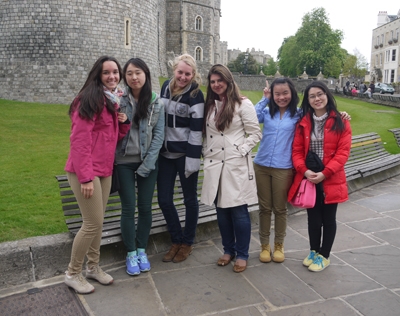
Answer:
(231, 131)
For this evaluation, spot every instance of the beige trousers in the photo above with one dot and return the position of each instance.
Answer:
(273, 185)
(87, 240)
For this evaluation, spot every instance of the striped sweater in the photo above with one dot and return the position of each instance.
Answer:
(183, 126)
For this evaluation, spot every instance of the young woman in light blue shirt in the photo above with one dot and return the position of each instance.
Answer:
(273, 163)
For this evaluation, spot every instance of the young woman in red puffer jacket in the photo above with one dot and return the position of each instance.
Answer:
(322, 131)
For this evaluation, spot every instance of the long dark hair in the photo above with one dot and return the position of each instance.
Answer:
(91, 96)
(330, 106)
(232, 97)
(146, 91)
(273, 107)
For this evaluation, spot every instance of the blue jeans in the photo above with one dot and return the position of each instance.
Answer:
(235, 228)
(168, 168)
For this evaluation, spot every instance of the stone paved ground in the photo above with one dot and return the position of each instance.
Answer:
(363, 279)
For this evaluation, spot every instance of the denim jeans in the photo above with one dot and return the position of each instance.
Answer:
(138, 237)
(168, 168)
(235, 228)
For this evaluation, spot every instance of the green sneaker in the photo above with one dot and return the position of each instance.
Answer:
(310, 259)
(319, 264)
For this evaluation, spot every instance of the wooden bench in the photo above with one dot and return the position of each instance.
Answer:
(111, 227)
(368, 156)
(396, 134)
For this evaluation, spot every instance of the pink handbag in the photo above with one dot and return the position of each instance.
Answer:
(305, 195)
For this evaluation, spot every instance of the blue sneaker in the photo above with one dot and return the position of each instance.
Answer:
(144, 263)
(319, 264)
(310, 259)
(132, 266)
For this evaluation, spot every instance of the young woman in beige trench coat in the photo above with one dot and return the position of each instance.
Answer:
(231, 131)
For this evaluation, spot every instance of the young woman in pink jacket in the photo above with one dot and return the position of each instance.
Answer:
(321, 131)
(96, 128)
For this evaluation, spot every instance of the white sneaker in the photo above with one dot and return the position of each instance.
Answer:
(99, 275)
(78, 283)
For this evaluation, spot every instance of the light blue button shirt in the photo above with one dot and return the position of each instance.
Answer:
(276, 144)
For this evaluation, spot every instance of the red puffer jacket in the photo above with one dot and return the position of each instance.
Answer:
(336, 152)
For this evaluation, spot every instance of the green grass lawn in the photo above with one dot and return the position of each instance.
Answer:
(34, 142)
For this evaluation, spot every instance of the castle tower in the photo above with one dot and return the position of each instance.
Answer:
(193, 28)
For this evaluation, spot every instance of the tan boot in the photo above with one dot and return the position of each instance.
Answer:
(183, 253)
(265, 255)
(171, 253)
(279, 254)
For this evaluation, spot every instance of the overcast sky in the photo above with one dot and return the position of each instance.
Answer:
(264, 24)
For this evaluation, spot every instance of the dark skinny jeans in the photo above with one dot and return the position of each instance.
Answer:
(138, 237)
(322, 223)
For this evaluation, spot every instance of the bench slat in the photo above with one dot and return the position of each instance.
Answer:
(367, 156)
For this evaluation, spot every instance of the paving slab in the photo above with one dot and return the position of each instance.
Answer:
(328, 307)
(376, 303)
(350, 212)
(136, 296)
(393, 214)
(391, 236)
(336, 280)
(382, 203)
(380, 263)
(245, 311)
(279, 286)
(203, 290)
(371, 225)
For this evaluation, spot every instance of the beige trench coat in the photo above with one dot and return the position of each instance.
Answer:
(228, 167)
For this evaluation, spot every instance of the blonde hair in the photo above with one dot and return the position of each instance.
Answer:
(190, 61)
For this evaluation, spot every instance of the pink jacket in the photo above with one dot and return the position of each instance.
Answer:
(93, 143)
(336, 152)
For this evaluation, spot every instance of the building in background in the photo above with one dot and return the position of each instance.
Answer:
(258, 55)
(385, 48)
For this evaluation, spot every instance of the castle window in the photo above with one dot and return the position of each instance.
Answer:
(127, 27)
(199, 54)
(199, 23)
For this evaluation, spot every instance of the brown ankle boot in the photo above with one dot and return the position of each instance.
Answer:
(183, 253)
(171, 253)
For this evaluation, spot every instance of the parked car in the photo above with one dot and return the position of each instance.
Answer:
(384, 88)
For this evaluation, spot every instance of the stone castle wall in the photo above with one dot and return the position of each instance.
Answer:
(48, 47)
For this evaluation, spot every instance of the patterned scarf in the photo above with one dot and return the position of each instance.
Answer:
(317, 136)
(114, 96)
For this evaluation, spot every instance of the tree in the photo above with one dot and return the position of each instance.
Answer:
(270, 68)
(314, 46)
(355, 65)
(243, 65)
(288, 63)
